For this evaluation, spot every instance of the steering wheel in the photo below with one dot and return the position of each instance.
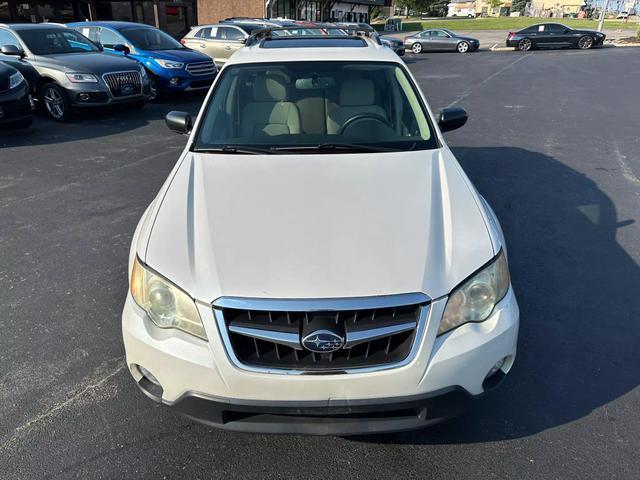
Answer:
(363, 116)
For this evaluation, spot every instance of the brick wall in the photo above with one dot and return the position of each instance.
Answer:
(211, 11)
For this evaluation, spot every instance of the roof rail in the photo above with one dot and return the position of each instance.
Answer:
(266, 33)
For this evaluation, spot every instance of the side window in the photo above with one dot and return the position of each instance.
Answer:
(109, 38)
(8, 38)
(203, 33)
(228, 33)
(426, 34)
(439, 34)
(554, 28)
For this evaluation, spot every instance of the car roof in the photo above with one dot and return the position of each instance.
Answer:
(299, 49)
(31, 26)
(112, 24)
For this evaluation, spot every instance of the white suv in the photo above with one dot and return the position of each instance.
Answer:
(317, 261)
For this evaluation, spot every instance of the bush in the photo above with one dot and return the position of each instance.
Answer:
(638, 33)
(411, 26)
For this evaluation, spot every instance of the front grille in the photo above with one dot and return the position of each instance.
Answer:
(123, 84)
(273, 339)
(201, 68)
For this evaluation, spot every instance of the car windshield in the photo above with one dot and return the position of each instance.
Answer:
(145, 38)
(308, 106)
(49, 41)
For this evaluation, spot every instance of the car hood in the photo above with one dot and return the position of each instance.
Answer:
(90, 62)
(468, 39)
(318, 226)
(177, 55)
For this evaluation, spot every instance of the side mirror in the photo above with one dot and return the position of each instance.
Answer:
(244, 40)
(179, 122)
(452, 118)
(122, 48)
(12, 50)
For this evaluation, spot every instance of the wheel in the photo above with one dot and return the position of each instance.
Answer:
(585, 43)
(416, 47)
(525, 45)
(56, 103)
(463, 47)
(154, 88)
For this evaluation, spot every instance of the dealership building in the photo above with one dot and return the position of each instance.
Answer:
(176, 17)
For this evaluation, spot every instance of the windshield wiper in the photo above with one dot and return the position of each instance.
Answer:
(235, 149)
(354, 147)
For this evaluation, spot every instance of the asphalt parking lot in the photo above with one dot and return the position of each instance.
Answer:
(552, 143)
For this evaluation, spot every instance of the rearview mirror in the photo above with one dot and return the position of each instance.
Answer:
(122, 48)
(12, 50)
(452, 118)
(179, 122)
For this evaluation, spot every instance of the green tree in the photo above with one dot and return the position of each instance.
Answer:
(519, 5)
(495, 3)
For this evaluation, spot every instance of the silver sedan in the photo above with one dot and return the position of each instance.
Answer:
(440, 39)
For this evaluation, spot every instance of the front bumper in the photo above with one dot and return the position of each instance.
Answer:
(198, 379)
(98, 94)
(16, 105)
(184, 82)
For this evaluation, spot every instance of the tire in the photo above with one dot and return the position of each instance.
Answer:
(154, 88)
(525, 45)
(56, 103)
(586, 42)
(416, 47)
(463, 47)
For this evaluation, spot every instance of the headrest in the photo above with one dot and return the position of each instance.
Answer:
(356, 92)
(269, 88)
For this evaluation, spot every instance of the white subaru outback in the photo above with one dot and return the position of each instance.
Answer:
(317, 261)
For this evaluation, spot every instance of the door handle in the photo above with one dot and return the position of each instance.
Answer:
(202, 45)
(227, 47)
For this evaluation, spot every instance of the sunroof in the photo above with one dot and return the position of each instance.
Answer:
(301, 42)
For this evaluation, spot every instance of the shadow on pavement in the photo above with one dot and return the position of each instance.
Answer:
(97, 122)
(577, 289)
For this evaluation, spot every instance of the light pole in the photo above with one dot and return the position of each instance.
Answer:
(602, 14)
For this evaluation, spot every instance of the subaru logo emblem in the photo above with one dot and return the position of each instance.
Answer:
(323, 341)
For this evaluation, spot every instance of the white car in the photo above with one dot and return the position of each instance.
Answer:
(317, 261)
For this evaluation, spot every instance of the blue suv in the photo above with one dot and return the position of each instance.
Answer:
(171, 66)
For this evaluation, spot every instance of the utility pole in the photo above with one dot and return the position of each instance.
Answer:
(602, 14)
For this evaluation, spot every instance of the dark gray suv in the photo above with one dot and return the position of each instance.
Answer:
(70, 70)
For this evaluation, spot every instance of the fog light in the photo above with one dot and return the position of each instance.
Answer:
(498, 365)
(174, 81)
(84, 97)
(149, 376)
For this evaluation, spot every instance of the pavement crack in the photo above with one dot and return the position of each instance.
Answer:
(29, 424)
(487, 80)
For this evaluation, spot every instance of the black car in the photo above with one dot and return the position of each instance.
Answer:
(554, 35)
(16, 104)
(440, 39)
(71, 71)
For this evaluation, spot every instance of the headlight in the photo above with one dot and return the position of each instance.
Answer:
(167, 64)
(82, 78)
(15, 80)
(474, 300)
(166, 305)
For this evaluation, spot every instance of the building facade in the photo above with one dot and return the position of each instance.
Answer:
(175, 17)
(210, 11)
